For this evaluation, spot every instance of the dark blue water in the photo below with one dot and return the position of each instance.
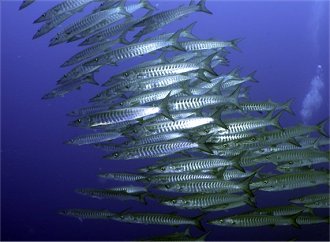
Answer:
(283, 41)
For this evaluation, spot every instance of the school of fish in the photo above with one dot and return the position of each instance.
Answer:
(211, 147)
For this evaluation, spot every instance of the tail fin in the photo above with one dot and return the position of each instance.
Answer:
(287, 106)
(147, 5)
(202, 7)
(203, 237)
(320, 127)
(198, 221)
(234, 97)
(164, 107)
(233, 44)
(246, 184)
(187, 31)
(202, 144)
(90, 79)
(206, 64)
(174, 40)
(251, 78)
(217, 117)
(275, 121)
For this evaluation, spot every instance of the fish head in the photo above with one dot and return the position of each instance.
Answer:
(169, 187)
(223, 222)
(49, 95)
(42, 18)
(57, 39)
(80, 122)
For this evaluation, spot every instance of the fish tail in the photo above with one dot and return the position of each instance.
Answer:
(147, 5)
(198, 222)
(234, 97)
(217, 117)
(275, 121)
(187, 31)
(320, 127)
(233, 44)
(287, 106)
(203, 146)
(164, 107)
(90, 79)
(202, 7)
(251, 77)
(206, 64)
(294, 219)
(174, 40)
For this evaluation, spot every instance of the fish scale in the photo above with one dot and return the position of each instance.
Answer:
(181, 124)
(65, 6)
(154, 150)
(120, 115)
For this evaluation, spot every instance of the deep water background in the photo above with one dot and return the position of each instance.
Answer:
(282, 41)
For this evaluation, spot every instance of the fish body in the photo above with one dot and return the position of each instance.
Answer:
(87, 213)
(94, 138)
(65, 6)
(121, 176)
(247, 220)
(153, 150)
(161, 19)
(25, 4)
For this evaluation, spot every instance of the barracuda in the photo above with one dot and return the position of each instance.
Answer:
(311, 198)
(156, 138)
(89, 52)
(202, 201)
(149, 97)
(130, 9)
(161, 19)
(209, 44)
(205, 186)
(160, 70)
(134, 50)
(109, 194)
(176, 125)
(85, 23)
(87, 213)
(154, 218)
(94, 138)
(154, 150)
(246, 220)
(121, 176)
(116, 116)
(179, 177)
(291, 181)
(191, 165)
(71, 6)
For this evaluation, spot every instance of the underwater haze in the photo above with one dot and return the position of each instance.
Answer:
(285, 42)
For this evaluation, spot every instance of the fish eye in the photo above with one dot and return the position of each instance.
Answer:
(121, 103)
(126, 74)
(122, 217)
(290, 162)
(44, 15)
(185, 202)
(127, 86)
(266, 182)
(162, 168)
(253, 139)
(173, 201)
(225, 145)
(79, 121)
(221, 221)
(96, 59)
(267, 157)
(116, 154)
(167, 186)
(233, 222)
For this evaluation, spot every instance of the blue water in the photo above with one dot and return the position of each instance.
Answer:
(284, 41)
